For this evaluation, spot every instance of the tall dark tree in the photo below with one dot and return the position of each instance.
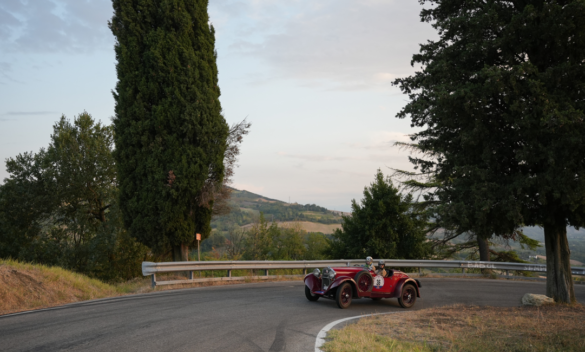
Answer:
(169, 131)
(385, 225)
(445, 227)
(500, 99)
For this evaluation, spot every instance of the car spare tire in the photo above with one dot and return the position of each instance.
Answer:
(364, 281)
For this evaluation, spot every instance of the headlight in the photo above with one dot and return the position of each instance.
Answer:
(332, 274)
(317, 273)
(329, 273)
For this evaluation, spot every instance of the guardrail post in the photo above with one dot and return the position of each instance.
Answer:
(153, 280)
(266, 272)
(190, 275)
(229, 273)
(305, 271)
(419, 271)
(463, 270)
(507, 273)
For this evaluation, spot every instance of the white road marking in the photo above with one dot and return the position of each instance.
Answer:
(320, 341)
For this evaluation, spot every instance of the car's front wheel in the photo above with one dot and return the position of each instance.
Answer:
(343, 295)
(310, 296)
(408, 296)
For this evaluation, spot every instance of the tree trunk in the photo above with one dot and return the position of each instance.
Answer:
(559, 279)
(484, 253)
(181, 254)
(484, 249)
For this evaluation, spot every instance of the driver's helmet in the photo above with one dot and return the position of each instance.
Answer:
(369, 261)
(381, 265)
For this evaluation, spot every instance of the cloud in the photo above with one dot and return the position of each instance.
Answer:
(382, 140)
(311, 157)
(55, 26)
(28, 113)
(248, 187)
(338, 44)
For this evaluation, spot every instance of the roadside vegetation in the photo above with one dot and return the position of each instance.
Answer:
(25, 286)
(466, 328)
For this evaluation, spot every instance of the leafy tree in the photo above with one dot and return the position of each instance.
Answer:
(385, 225)
(500, 100)
(445, 224)
(288, 243)
(259, 243)
(58, 206)
(170, 134)
(317, 246)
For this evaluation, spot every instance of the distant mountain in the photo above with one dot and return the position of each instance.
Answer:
(247, 206)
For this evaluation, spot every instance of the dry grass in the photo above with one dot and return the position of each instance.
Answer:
(463, 328)
(306, 225)
(32, 286)
(27, 286)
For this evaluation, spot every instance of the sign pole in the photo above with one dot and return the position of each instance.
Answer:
(198, 237)
(199, 250)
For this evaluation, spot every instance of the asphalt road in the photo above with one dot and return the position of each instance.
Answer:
(248, 317)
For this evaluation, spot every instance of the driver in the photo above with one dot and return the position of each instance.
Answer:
(381, 268)
(370, 264)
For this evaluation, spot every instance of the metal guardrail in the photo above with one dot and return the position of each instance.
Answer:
(150, 268)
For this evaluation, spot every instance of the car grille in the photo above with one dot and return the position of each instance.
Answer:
(326, 282)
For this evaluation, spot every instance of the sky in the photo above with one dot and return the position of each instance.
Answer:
(312, 76)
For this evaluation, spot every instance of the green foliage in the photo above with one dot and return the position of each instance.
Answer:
(169, 132)
(266, 241)
(500, 103)
(504, 115)
(317, 246)
(58, 207)
(385, 225)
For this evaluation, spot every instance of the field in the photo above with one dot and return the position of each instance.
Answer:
(307, 226)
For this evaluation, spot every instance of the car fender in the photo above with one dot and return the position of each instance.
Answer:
(401, 284)
(313, 283)
(343, 279)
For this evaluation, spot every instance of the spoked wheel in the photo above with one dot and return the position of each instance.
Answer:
(310, 296)
(364, 281)
(343, 295)
(408, 296)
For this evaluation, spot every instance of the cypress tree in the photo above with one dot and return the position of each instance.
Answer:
(501, 101)
(170, 134)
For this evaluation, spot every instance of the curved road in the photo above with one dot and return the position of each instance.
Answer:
(248, 317)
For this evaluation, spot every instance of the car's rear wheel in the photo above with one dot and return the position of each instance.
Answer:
(408, 296)
(364, 281)
(343, 295)
(310, 296)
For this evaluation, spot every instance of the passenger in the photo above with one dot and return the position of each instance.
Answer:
(370, 264)
(381, 268)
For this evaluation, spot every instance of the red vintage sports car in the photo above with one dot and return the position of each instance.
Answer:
(346, 283)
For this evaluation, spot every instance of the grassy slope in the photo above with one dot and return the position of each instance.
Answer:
(461, 328)
(28, 286)
(307, 226)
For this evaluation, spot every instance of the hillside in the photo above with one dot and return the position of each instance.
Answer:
(247, 206)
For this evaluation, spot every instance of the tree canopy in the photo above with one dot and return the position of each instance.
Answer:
(170, 134)
(59, 206)
(500, 101)
(385, 225)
